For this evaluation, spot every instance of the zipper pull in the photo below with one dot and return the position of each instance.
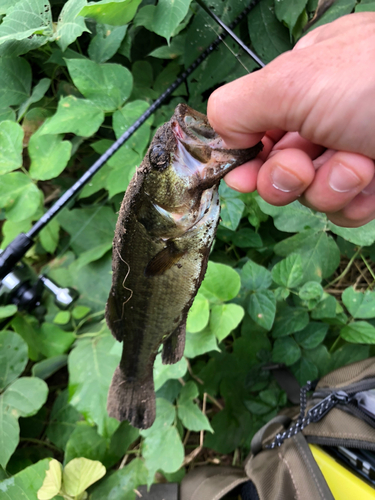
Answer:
(318, 411)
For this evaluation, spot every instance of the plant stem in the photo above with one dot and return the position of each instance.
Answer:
(42, 443)
(345, 271)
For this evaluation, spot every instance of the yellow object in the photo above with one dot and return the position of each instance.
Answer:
(343, 484)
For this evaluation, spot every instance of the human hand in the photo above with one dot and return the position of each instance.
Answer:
(314, 109)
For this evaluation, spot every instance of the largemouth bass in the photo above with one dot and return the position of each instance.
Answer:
(165, 229)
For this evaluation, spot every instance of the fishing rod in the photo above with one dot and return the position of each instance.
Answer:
(16, 250)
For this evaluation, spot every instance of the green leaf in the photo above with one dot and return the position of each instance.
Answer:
(294, 217)
(52, 482)
(9, 434)
(171, 51)
(269, 37)
(288, 272)
(91, 366)
(220, 283)
(26, 328)
(80, 312)
(11, 137)
(312, 335)
(62, 318)
(93, 254)
(114, 12)
(255, 277)
(230, 430)
(339, 8)
(304, 370)
(13, 356)
(25, 396)
(167, 16)
(199, 314)
(359, 332)
(121, 484)
(26, 483)
(26, 18)
(363, 236)
(247, 238)
(311, 291)
(19, 196)
(286, 350)
(200, 343)
(189, 412)
(106, 42)
(70, 25)
(78, 116)
(289, 320)
(85, 442)
(106, 85)
(53, 340)
(48, 367)
(81, 473)
(49, 236)
(162, 372)
(348, 353)
(63, 420)
(38, 92)
(124, 118)
(231, 212)
(367, 7)
(7, 311)
(288, 11)
(225, 318)
(326, 308)
(262, 308)
(359, 304)
(15, 81)
(7, 113)
(49, 156)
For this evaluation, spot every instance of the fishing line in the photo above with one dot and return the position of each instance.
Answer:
(16, 250)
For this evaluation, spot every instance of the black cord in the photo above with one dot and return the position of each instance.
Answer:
(14, 252)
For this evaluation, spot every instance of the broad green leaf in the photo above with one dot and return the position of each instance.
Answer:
(269, 37)
(106, 85)
(231, 429)
(11, 137)
(189, 412)
(26, 327)
(95, 227)
(25, 396)
(124, 118)
(15, 81)
(26, 483)
(106, 42)
(9, 434)
(359, 304)
(294, 217)
(12, 229)
(288, 272)
(5, 5)
(167, 16)
(312, 335)
(225, 318)
(247, 238)
(38, 92)
(80, 312)
(171, 51)
(231, 212)
(121, 484)
(70, 25)
(85, 442)
(63, 420)
(255, 277)
(49, 156)
(304, 370)
(13, 356)
(93, 254)
(7, 113)
(289, 320)
(114, 12)
(220, 283)
(367, 7)
(53, 340)
(200, 343)
(14, 48)
(163, 450)
(286, 350)
(26, 18)
(48, 367)
(311, 291)
(78, 116)
(363, 236)
(348, 353)
(81, 473)
(7, 311)
(91, 366)
(49, 236)
(326, 308)
(62, 318)
(262, 308)
(199, 314)
(359, 332)
(288, 11)
(257, 407)
(162, 372)
(52, 482)
(123, 164)
(19, 196)
(165, 416)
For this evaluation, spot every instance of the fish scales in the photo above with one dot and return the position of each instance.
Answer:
(164, 233)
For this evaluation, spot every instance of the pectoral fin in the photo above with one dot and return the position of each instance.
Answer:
(164, 260)
(173, 348)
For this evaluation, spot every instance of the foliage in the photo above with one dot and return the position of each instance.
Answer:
(283, 285)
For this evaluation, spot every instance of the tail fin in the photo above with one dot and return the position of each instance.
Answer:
(132, 400)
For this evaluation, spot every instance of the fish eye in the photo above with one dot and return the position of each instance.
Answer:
(159, 158)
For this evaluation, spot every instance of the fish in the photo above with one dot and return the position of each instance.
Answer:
(165, 229)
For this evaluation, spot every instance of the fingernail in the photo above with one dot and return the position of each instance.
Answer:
(370, 189)
(284, 180)
(342, 179)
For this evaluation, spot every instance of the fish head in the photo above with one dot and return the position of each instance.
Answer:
(187, 157)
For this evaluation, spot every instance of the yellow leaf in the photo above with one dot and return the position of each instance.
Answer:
(80, 473)
(52, 482)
